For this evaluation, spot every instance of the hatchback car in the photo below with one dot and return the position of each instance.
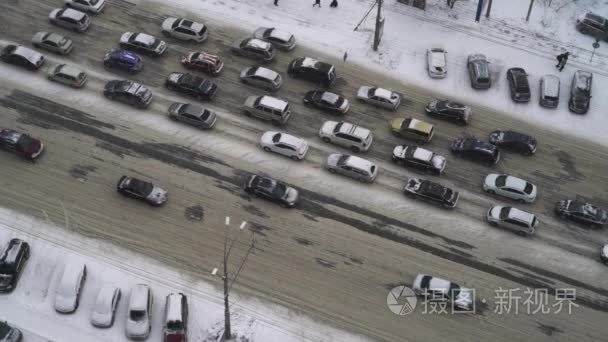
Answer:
(280, 39)
(514, 141)
(347, 135)
(476, 150)
(202, 61)
(123, 60)
(360, 169)
(176, 318)
(68, 75)
(70, 18)
(437, 289)
(518, 84)
(12, 262)
(103, 313)
(192, 85)
(142, 42)
(91, 6)
(272, 190)
(9, 333)
(379, 97)
(479, 71)
(22, 56)
(581, 212)
(510, 187)
(594, 25)
(519, 221)
(139, 313)
(261, 77)
(312, 70)
(69, 288)
(449, 111)
(580, 92)
(430, 191)
(413, 129)
(254, 48)
(285, 144)
(53, 42)
(145, 191)
(192, 114)
(184, 29)
(267, 108)
(20, 143)
(327, 101)
(436, 62)
(128, 92)
(418, 158)
(549, 91)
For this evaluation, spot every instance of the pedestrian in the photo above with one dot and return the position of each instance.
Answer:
(317, 2)
(334, 3)
(276, 2)
(562, 60)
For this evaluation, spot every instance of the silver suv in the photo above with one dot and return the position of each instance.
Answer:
(267, 108)
(358, 168)
(139, 312)
(519, 221)
(346, 134)
(254, 48)
(261, 77)
(70, 19)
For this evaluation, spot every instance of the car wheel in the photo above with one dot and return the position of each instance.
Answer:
(522, 233)
(521, 200)
(490, 191)
(110, 96)
(166, 34)
(332, 170)
(247, 113)
(173, 118)
(396, 134)
(276, 123)
(284, 205)
(326, 139)
(295, 158)
(266, 148)
(493, 224)
(354, 149)
(526, 152)
(292, 75)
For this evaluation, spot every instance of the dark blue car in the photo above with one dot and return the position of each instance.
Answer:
(123, 60)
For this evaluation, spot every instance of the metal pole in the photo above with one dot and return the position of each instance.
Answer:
(377, 32)
(488, 9)
(227, 330)
(529, 10)
(365, 16)
(479, 8)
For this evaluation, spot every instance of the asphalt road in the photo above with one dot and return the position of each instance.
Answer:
(337, 255)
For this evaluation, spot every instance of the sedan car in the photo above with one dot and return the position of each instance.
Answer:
(580, 92)
(184, 29)
(285, 144)
(431, 192)
(474, 149)
(272, 190)
(22, 56)
(254, 48)
(514, 141)
(20, 143)
(68, 75)
(70, 19)
(143, 42)
(360, 169)
(449, 111)
(511, 187)
(379, 97)
(12, 261)
(432, 288)
(582, 212)
(9, 333)
(139, 313)
(91, 6)
(327, 101)
(436, 62)
(189, 84)
(261, 77)
(192, 114)
(280, 39)
(53, 42)
(419, 158)
(518, 84)
(142, 190)
(123, 60)
(67, 294)
(105, 306)
(202, 61)
(128, 92)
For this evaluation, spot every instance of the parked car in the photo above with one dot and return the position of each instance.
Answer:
(69, 288)
(192, 85)
(360, 169)
(68, 75)
(514, 141)
(476, 150)
(123, 60)
(413, 129)
(549, 91)
(479, 71)
(431, 192)
(192, 114)
(519, 221)
(580, 92)
(436, 62)
(12, 261)
(20, 143)
(53, 42)
(518, 84)
(9, 333)
(280, 39)
(267, 108)
(327, 101)
(449, 111)
(261, 77)
(70, 18)
(128, 92)
(285, 144)
(437, 289)
(202, 61)
(419, 158)
(379, 97)
(582, 212)
(22, 56)
(184, 29)
(594, 25)
(91, 6)
(347, 135)
(312, 70)
(103, 313)
(142, 190)
(604, 253)
(272, 190)
(143, 42)
(176, 318)
(511, 187)
(254, 48)
(139, 312)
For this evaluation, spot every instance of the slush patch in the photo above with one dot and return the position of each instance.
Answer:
(194, 213)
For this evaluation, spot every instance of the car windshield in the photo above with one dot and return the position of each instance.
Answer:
(276, 138)
(6, 269)
(175, 325)
(279, 190)
(454, 291)
(93, 2)
(143, 188)
(528, 188)
(501, 181)
(342, 160)
(5, 329)
(504, 212)
(137, 315)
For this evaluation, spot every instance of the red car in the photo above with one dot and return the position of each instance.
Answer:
(20, 143)
(204, 62)
(176, 318)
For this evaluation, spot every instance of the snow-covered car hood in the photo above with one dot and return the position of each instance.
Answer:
(53, 13)
(490, 181)
(138, 328)
(158, 195)
(266, 138)
(291, 195)
(494, 212)
(605, 250)
(65, 303)
(167, 23)
(363, 92)
(332, 159)
(125, 37)
(174, 77)
(399, 151)
(101, 319)
(328, 128)
(439, 162)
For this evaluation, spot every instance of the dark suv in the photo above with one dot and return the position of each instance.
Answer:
(13, 260)
(431, 192)
(128, 92)
(191, 85)
(476, 150)
(594, 25)
(518, 84)
(580, 92)
(123, 60)
(312, 70)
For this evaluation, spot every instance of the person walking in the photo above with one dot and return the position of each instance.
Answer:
(334, 3)
(317, 2)
(276, 2)
(562, 60)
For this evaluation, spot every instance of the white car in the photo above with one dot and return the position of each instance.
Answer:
(440, 290)
(102, 315)
(604, 254)
(519, 221)
(70, 19)
(285, 144)
(139, 313)
(280, 39)
(91, 6)
(184, 29)
(511, 187)
(436, 62)
(347, 135)
(67, 294)
(379, 97)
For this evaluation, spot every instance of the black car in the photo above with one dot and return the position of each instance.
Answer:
(449, 110)
(514, 141)
(476, 150)
(128, 92)
(580, 92)
(581, 212)
(431, 192)
(312, 70)
(22, 56)
(142, 190)
(518, 84)
(419, 158)
(594, 25)
(12, 262)
(199, 87)
(272, 190)
(327, 101)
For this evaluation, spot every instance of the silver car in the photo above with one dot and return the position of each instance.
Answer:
(358, 168)
(91, 6)
(379, 97)
(139, 312)
(143, 42)
(106, 303)
(437, 289)
(254, 48)
(68, 75)
(67, 294)
(262, 77)
(347, 135)
(184, 29)
(53, 42)
(280, 39)
(285, 144)
(192, 114)
(519, 221)
(479, 71)
(70, 19)
(511, 187)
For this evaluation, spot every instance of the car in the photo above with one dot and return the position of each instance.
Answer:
(582, 212)
(518, 84)
(192, 114)
(254, 48)
(189, 84)
(419, 158)
(594, 25)
(143, 42)
(139, 312)
(312, 70)
(379, 97)
(437, 289)
(70, 18)
(202, 61)
(327, 101)
(53, 42)
(128, 92)
(142, 190)
(103, 313)
(580, 92)
(510, 187)
(519, 221)
(20, 143)
(267, 108)
(91, 6)
(123, 60)
(411, 128)
(12, 261)
(184, 29)
(479, 71)
(604, 253)
(436, 62)
(261, 77)
(360, 169)
(68, 75)
(514, 141)
(280, 39)
(272, 190)
(476, 150)
(347, 135)
(285, 144)
(22, 56)
(176, 318)
(9, 333)
(449, 111)
(549, 91)
(432, 192)
(69, 288)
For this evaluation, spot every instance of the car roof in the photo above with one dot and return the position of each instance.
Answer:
(258, 44)
(279, 34)
(359, 163)
(521, 215)
(420, 125)
(266, 183)
(207, 57)
(73, 14)
(290, 139)
(53, 37)
(124, 55)
(194, 109)
(71, 273)
(431, 187)
(70, 70)
(515, 183)
(308, 62)
(266, 73)
(550, 85)
(329, 97)
(273, 102)
(104, 297)
(422, 154)
(174, 307)
(12, 250)
(139, 297)
(381, 92)
(515, 136)
(477, 57)
(434, 283)
(349, 128)
(28, 53)
(582, 79)
(144, 38)
(595, 17)
(191, 24)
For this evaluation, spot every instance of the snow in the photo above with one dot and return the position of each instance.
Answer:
(422, 154)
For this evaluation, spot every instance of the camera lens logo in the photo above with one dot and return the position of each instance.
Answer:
(401, 300)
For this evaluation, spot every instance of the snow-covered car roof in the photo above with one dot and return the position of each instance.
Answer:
(103, 303)
(349, 128)
(266, 73)
(174, 307)
(437, 57)
(330, 97)
(308, 62)
(73, 14)
(582, 79)
(422, 154)
(291, 140)
(521, 215)
(515, 183)
(70, 70)
(550, 84)
(420, 125)
(69, 280)
(139, 297)
(281, 35)
(384, 93)
(359, 163)
(273, 102)
(191, 24)
(258, 44)
(28, 53)
(53, 37)
(144, 38)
